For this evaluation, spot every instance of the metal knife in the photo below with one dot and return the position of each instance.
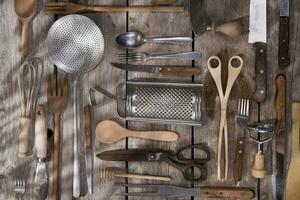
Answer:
(41, 176)
(280, 105)
(172, 70)
(283, 49)
(202, 23)
(258, 37)
(89, 153)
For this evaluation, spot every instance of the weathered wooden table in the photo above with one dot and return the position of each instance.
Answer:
(108, 77)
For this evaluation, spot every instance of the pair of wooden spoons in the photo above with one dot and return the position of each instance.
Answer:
(109, 132)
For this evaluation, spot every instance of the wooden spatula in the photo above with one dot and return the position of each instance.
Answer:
(292, 191)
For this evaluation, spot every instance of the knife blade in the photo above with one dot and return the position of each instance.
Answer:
(89, 162)
(41, 176)
(172, 70)
(125, 155)
(283, 48)
(280, 104)
(258, 37)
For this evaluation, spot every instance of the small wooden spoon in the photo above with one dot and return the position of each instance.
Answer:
(26, 10)
(109, 132)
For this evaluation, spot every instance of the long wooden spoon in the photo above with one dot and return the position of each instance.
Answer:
(109, 132)
(26, 10)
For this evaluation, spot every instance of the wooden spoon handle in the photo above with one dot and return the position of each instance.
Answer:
(166, 136)
(24, 39)
(143, 9)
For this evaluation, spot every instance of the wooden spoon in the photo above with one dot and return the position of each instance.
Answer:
(26, 10)
(109, 132)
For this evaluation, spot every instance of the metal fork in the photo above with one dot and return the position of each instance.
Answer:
(20, 181)
(242, 120)
(143, 56)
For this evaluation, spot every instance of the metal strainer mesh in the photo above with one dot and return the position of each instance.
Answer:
(75, 43)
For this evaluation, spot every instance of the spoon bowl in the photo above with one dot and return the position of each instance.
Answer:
(130, 39)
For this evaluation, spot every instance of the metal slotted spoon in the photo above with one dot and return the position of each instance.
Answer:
(75, 45)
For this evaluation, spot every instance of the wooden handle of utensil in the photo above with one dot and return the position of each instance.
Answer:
(227, 192)
(25, 125)
(24, 39)
(88, 127)
(143, 9)
(292, 191)
(166, 136)
(163, 2)
(179, 70)
(258, 169)
(239, 159)
(283, 49)
(56, 158)
(231, 29)
(142, 176)
(40, 132)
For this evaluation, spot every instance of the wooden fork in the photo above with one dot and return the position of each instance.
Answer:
(70, 8)
(57, 97)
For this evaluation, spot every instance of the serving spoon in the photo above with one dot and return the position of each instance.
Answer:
(109, 132)
(26, 10)
(135, 39)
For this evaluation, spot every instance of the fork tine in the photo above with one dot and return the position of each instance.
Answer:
(247, 107)
(65, 90)
(49, 86)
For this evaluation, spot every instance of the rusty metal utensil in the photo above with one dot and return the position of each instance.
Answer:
(26, 10)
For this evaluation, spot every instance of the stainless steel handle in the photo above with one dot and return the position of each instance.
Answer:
(193, 55)
(170, 40)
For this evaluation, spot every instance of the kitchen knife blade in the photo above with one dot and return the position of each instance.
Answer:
(258, 37)
(41, 176)
(125, 155)
(180, 70)
(89, 153)
(283, 48)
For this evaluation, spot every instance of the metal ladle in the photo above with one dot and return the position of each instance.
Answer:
(136, 39)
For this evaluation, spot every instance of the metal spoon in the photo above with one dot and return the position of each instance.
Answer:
(136, 39)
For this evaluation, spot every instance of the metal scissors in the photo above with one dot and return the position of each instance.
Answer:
(234, 68)
(178, 160)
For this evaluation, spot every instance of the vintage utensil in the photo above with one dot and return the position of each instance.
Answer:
(28, 89)
(284, 23)
(26, 10)
(260, 133)
(175, 159)
(110, 173)
(214, 65)
(258, 37)
(292, 191)
(88, 144)
(176, 191)
(166, 103)
(170, 70)
(242, 120)
(202, 23)
(143, 56)
(76, 46)
(163, 2)
(65, 8)
(136, 39)
(57, 98)
(20, 177)
(110, 132)
(280, 104)
(41, 175)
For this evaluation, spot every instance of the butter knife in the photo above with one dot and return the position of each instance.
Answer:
(88, 147)
(41, 176)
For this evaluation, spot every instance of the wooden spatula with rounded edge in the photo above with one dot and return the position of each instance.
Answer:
(109, 132)
(292, 191)
(26, 10)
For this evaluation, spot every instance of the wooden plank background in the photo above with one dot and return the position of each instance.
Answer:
(109, 77)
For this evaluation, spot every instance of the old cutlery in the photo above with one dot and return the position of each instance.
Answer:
(110, 173)
(163, 2)
(89, 152)
(41, 176)
(110, 132)
(21, 177)
(170, 70)
(26, 10)
(65, 8)
(135, 39)
(258, 37)
(214, 66)
(292, 191)
(283, 48)
(177, 159)
(158, 190)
